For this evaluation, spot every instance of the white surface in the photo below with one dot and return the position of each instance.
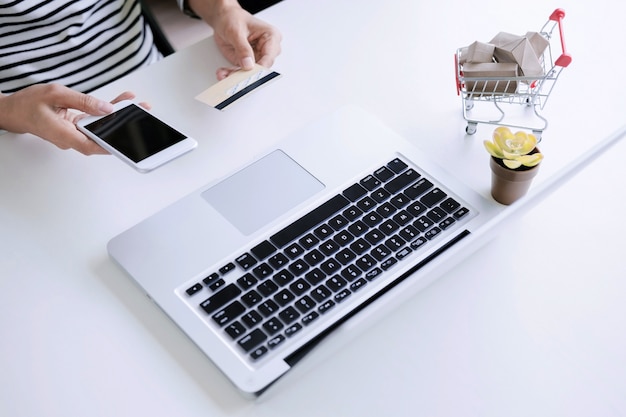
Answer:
(180, 29)
(532, 324)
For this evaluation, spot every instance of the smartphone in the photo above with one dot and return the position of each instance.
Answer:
(136, 136)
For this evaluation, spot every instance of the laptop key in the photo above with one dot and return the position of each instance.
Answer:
(305, 304)
(437, 214)
(220, 298)
(419, 242)
(273, 326)
(275, 341)
(370, 182)
(267, 287)
(229, 313)
(252, 340)
(212, 277)
(235, 329)
(258, 352)
(380, 195)
(351, 272)
(384, 174)
(247, 281)
(397, 165)
(388, 263)
(263, 250)
(373, 274)
(366, 204)
(308, 318)
(336, 283)
(358, 284)
(354, 192)
(194, 289)
(449, 221)
(262, 271)
(293, 329)
(246, 261)
(283, 277)
(217, 284)
(326, 306)
(251, 298)
(450, 205)
(433, 197)
(342, 295)
(227, 268)
(419, 188)
(268, 307)
(289, 315)
(321, 293)
(432, 233)
(308, 241)
(403, 253)
(251, 319)
(460, 213)
(284, 297)
(299, 287)
(402, 181)
(315, 276)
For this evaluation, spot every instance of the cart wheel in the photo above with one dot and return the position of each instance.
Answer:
(471, 128)
(537, 134)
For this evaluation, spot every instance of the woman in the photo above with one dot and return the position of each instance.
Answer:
(54, 52)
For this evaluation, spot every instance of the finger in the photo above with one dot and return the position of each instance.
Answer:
(92, 148)
(269, 50)
(126, 95)
(243, 52)
(65, 97)
(224, 72)
(67, 136)
(86, 146)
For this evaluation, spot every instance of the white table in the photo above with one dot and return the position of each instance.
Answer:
(531, 324)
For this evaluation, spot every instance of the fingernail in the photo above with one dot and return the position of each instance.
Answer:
(247, 63)
(105, 107)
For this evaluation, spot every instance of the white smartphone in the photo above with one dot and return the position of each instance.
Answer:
(136, 136)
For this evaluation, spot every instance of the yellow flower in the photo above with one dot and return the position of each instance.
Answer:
(513, 148)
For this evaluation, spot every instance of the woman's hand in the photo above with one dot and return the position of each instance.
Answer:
(49, 111)
(242, 38)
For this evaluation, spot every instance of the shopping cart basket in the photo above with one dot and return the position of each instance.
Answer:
(501, 92)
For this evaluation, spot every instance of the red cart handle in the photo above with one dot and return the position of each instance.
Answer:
(565, 59)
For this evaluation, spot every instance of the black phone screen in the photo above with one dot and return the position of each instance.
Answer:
(135, 133)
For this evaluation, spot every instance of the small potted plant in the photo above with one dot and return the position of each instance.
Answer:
(514, 163)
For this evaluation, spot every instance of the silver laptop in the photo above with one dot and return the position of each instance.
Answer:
(336, 220)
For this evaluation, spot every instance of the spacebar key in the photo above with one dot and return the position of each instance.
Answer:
(310, 220)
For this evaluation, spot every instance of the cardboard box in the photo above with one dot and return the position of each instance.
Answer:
(479, 88)
(538, 42)
(463, 55)
(479, 52)
(517, 49)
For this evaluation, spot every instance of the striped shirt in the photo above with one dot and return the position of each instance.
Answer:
(82, 44)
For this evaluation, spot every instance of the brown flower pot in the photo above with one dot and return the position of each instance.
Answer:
(508, 185)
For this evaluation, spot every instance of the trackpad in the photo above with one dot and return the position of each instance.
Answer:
(256, 195)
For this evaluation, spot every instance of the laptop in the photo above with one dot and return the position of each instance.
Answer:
(340, 218)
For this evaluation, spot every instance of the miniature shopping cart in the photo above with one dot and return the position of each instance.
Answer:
(485, 98)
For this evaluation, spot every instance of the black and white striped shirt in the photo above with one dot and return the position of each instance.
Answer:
(82, 44)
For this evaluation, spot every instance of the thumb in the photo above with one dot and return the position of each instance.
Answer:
(244, 53)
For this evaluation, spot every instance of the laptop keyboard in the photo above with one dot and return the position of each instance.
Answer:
(282, 285)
